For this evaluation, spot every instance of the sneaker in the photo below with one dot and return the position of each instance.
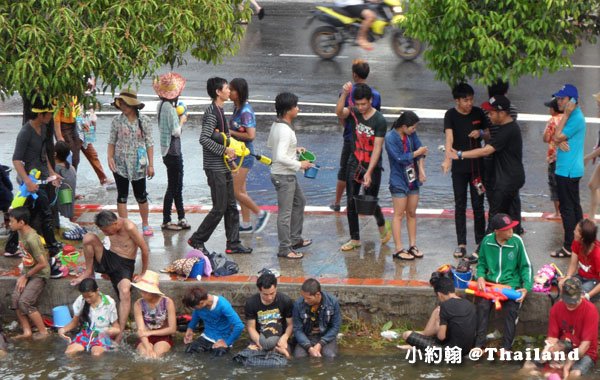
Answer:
(261, 221)
(170, 226)
(473, 258)
(184, 224)
(246, 230)
(57, 270)
(54, 248)
(335, 207)
(237, 248)
(196, 245)
(386, 235)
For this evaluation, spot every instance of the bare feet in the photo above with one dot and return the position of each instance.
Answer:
(25, 335)
(40, 335)
(119, 338)
(553, 216)
(363, 43)
(81, 277)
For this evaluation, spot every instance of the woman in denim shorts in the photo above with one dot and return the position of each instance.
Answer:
(407, 174)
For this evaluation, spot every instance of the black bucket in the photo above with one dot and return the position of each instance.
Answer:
(365, 204)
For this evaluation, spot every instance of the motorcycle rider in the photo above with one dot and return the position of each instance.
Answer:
(362, 9)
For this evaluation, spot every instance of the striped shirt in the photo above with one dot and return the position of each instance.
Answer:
(213, 120)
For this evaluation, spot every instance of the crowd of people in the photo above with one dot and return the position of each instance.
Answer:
(483, 151)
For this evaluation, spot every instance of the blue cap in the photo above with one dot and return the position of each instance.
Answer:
(567, 90)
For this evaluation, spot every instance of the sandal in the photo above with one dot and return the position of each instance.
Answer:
(349, 246)
(302, 244)
(292, 255)
(386, 235)
(460, 252)
(184, 224)
(147, 231)
(413, 250)
(74, 234)
(170, 226)
(403, 254)
(560, 253)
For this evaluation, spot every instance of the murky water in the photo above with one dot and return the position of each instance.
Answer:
(33, 360)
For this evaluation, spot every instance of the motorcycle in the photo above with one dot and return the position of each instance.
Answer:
(326, 41)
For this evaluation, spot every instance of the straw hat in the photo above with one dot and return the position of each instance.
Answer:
(169, 85)
(597, 96)
(129, 96)
(148, 283)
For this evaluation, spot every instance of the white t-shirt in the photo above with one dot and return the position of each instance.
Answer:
(347, 3)
(101, 316)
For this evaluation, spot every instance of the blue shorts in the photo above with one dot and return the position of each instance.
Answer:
(399, 193)
(248, 162)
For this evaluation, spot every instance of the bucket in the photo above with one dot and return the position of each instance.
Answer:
(312, 172)
(61, 316)
(307, 156)
(65, 196)
(461, 279)
(197, 269)
(365, 204)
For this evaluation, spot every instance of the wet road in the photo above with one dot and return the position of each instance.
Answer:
(275, 56)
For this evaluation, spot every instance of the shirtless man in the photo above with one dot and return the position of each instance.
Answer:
(118, 262)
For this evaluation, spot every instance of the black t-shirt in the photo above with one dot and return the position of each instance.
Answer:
(508, 158)
(363, 135)
(268, 315)
(461, 125)
(461, 318)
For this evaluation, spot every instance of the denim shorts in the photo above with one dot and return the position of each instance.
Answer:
(248, 162)
(399, 193)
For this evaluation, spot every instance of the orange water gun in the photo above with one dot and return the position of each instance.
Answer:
(496, 293)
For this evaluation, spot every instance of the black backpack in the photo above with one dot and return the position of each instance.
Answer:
(221, 265)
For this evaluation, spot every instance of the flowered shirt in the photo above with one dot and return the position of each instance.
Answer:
(130, 144)
(101, 316)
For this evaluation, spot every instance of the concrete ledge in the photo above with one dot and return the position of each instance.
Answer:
(371, 304)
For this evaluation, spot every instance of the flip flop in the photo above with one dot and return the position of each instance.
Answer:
(415, 252)
(460, 252)
(349, 246)
(291, 255)
(560, 253)
(403, 254)
(302, 244)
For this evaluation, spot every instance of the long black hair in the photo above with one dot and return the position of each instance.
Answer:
(241, 87)
(408, 118)
(85, 286)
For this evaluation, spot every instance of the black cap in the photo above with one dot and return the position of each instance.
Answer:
(502, 222)
(497, 103)
(552, 104)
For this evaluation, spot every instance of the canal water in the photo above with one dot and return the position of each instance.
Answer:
(35, 360)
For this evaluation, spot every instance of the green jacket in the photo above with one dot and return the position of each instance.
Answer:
(507, 264)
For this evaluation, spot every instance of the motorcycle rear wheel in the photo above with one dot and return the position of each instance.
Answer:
(405, 47)
(324, 43)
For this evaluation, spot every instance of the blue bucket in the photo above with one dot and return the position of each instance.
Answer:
(61, 316)
(312, 172)
(461, 279)
(197, 269)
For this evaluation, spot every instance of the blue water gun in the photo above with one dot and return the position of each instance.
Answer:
(22, 195)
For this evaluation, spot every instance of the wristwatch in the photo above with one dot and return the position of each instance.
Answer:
(459, 154)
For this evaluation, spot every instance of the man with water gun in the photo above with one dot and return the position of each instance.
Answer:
(31, 153)
(503, 260)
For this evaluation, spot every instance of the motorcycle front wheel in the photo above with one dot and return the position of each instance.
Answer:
(405, 47)
(324, 43)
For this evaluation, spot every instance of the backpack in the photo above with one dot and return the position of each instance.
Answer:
(221, 265)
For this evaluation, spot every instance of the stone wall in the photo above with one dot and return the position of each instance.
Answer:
(372, 304)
